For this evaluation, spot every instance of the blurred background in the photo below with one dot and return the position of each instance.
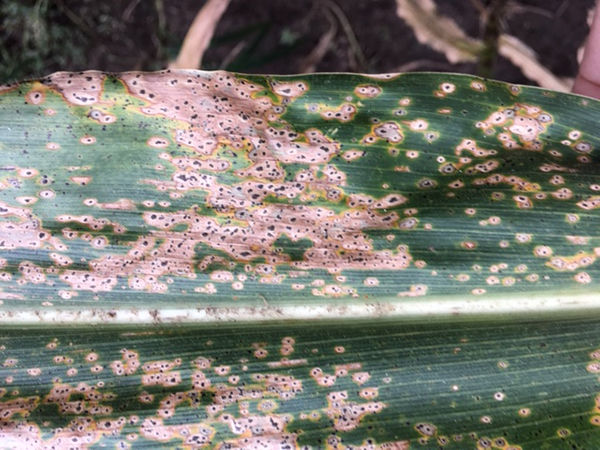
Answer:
(521, 41)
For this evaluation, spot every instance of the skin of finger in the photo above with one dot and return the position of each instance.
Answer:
(588, 78)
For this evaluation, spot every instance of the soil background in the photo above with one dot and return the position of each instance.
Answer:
(273, 36)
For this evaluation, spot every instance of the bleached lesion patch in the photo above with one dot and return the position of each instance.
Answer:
(82, 90)
(519, 126)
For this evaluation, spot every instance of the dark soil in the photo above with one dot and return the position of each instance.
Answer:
(272, 36)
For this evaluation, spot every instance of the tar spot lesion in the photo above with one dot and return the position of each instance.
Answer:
(101, 117)
(36, 95)
(367, 91)
(343, 113)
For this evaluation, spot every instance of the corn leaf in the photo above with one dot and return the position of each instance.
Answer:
(199, 259)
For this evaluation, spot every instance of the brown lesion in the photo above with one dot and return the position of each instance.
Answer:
(210, 108)
(31, 273)
(101, 117)
(77, 89)
(518, 126)
(343, 113)
(389, 131)
(269, 426)
(128, 364)
(594, 367)
(89, 281)
(470, 145)
(367, 91)
(573, 262)
(346, 415)
(23, 230)
(161, 373)
(197, 434)
(517, 183)
(22, 406)
(219, 111)
(592, 202)
(289, 90)
(338, 239)
(61, 393)
(36, 95)
(79, 432)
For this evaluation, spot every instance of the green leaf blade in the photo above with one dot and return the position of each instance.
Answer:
(248, 206)
(530, 383)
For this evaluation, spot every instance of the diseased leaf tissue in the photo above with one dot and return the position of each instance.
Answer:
(186, 194)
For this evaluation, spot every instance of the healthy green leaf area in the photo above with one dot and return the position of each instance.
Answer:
(330, 215)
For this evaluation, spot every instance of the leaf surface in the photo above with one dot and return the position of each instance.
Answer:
(135, 203)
